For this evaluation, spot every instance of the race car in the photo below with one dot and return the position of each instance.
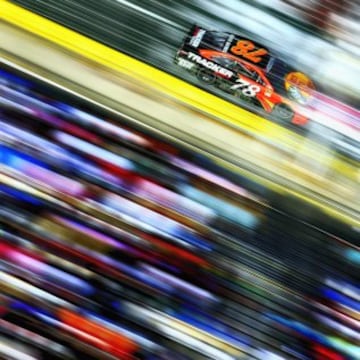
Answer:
(247, 70)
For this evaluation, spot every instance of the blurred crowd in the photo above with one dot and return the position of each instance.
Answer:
(338, 19)
(118, 245)
(320, 36)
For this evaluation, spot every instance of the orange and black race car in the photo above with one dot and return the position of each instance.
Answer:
(247, 70)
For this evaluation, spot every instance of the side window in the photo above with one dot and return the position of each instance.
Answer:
(223, 61)
(241, 69)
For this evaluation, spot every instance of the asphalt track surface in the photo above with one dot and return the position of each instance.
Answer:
(123, 11)
(175, 120)
(151, 31)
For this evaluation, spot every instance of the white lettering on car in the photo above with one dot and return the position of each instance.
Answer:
(246, 87)
(185, 63)
(210, 65)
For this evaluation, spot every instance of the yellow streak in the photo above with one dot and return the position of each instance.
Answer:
(182, 91)
(158, 79)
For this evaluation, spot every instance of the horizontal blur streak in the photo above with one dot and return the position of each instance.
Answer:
(284, 161)
(319, 36)
(119, 245)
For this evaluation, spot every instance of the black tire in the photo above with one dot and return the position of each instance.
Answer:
(206, 76)
(283, 112)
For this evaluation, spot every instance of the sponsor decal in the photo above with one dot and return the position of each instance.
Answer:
(299, 86)
(210, 65)
(185, 63)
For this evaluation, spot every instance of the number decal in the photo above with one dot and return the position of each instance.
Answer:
(251, 90)
(246, 87)
(245, 48)
(241, 83)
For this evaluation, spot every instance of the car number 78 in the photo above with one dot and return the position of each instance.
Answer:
(246, 87)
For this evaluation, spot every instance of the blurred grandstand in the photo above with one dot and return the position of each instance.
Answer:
(121, 237)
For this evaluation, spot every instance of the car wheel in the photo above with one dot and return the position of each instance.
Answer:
(283, 112)
(206, 76)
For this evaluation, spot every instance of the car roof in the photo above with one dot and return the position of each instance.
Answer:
(233, 57)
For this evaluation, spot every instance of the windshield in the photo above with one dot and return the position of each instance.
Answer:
(215, 40)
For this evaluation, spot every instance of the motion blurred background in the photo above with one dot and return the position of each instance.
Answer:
(145, 214)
